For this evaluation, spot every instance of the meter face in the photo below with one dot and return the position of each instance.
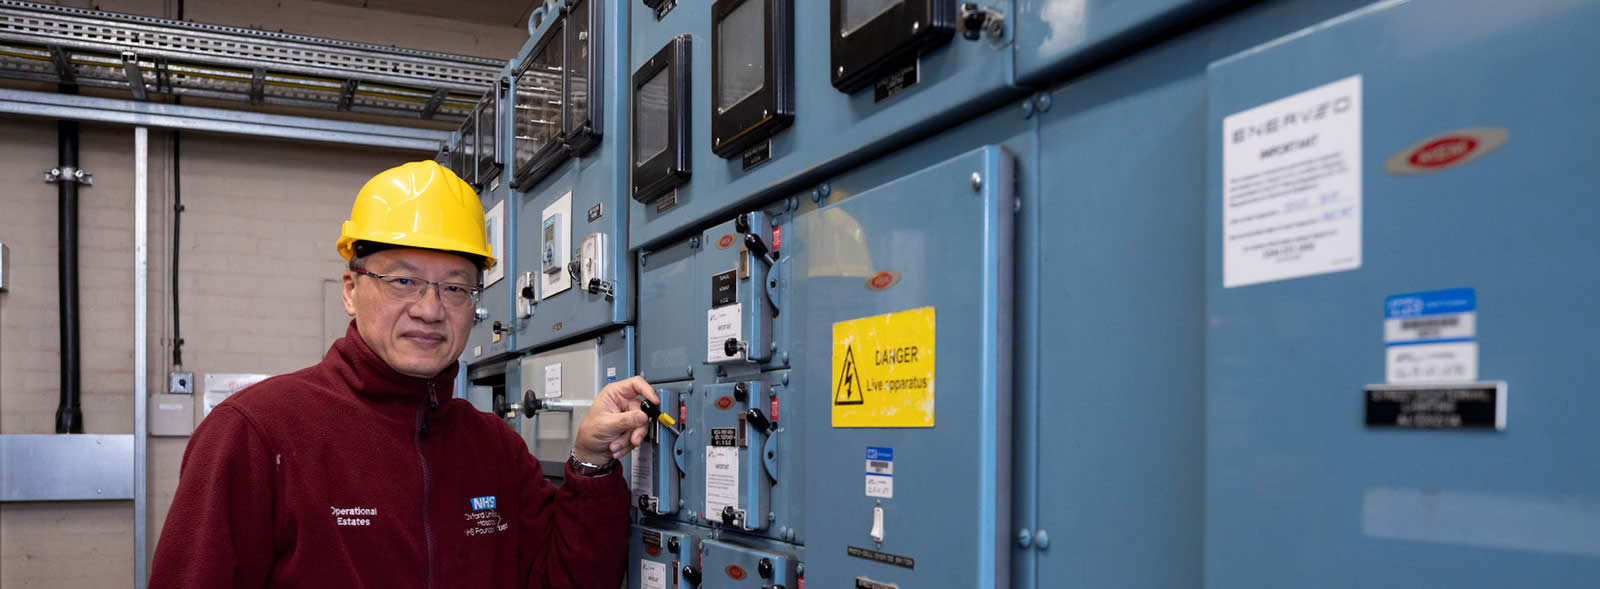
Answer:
(650, 119)
(742, 53)
(860, 12)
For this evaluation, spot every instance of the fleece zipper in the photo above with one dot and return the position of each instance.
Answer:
(427, 482)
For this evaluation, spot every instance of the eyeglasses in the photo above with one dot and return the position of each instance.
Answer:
(410, 288)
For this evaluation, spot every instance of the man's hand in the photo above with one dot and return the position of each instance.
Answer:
(615, 425)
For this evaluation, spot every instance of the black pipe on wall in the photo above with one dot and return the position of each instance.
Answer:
(69, 415)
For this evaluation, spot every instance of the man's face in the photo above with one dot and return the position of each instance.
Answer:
(417, 336)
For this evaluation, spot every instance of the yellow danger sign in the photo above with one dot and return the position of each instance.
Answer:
(883, 370)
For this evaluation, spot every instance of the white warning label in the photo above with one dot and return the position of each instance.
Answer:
(1291, 186)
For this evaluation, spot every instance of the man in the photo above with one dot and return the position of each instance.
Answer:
(361, 471)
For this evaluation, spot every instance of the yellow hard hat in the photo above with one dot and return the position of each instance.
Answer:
(422, 205)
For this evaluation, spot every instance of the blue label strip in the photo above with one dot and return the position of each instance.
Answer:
(1437, 302)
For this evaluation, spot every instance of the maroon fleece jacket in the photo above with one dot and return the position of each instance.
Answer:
(351, 475)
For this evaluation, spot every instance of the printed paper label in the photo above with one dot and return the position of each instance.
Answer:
(652, 575)
(722, 480)
(722, 324)
(1432, 363)
(552, 380)
(1291, 186)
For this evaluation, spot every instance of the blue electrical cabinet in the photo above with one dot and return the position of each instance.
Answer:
(1111, 314)
(1400, 234)
(656, 469)
(906, 311)
(671, 322)
(795, 88)
(568, 168)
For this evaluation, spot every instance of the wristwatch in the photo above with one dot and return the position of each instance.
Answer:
(590, 470)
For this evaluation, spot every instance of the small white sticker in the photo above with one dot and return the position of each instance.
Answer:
(722, 324)
(1432, 363)
(652, 575)
(477, 351)
(611, 374)
(170, 406)
(1291, 186)
(880, 487)
(552, 380)
(722, 480)
(641, 479)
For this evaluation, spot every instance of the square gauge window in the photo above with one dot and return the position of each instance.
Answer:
(539, 142)
(873, 39)
(752, 73)
(585, 22)
(661, 122)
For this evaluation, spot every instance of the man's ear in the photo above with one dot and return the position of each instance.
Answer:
(349, 293)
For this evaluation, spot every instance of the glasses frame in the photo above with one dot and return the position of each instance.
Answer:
(475, 291)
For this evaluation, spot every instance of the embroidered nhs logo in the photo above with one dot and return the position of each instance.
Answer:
(482, 503)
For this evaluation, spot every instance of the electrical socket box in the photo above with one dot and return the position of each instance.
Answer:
(592, 261)
(171, 415)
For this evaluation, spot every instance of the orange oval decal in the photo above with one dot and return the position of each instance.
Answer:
(1446, 151)
(725, 242)
(735, 572)
(883, 280)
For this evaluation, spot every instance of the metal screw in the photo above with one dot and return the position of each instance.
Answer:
(840, 72)
(977, 181)
(788, 535)
(785, 378)
(689, 371)
(826, 190)
(1042, 539)
(642, 258)
(916, 26)
(99, 491)
(1027, 109)
(1024, 538)
(1017, 206)
(764, 114)
(773, 347)
(771, 517)
(816, 196)
(716, 140)
(1045, 101)
(694, 242)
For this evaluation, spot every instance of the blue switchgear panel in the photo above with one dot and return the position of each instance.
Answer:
(574, 274)
(656, 468)
(744, 274)
(908, 285)
(1440, 150)
(663, 557)
(907, 96)
(744, 464)
(727, 565)
(671, 321)
(1057, 37)
(491, 334)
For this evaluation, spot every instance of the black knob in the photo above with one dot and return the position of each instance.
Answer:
(741, 223)
(672, 545)
(527, 292)
(731, 347)
(741, 392)
(972, 20)
(530, 403)
(758, 419)
(764, 568)
(594, 285)
(755, 245)
(644, 504)
(691, 574)
(497, 327)
(727, 515)
(572, 270)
